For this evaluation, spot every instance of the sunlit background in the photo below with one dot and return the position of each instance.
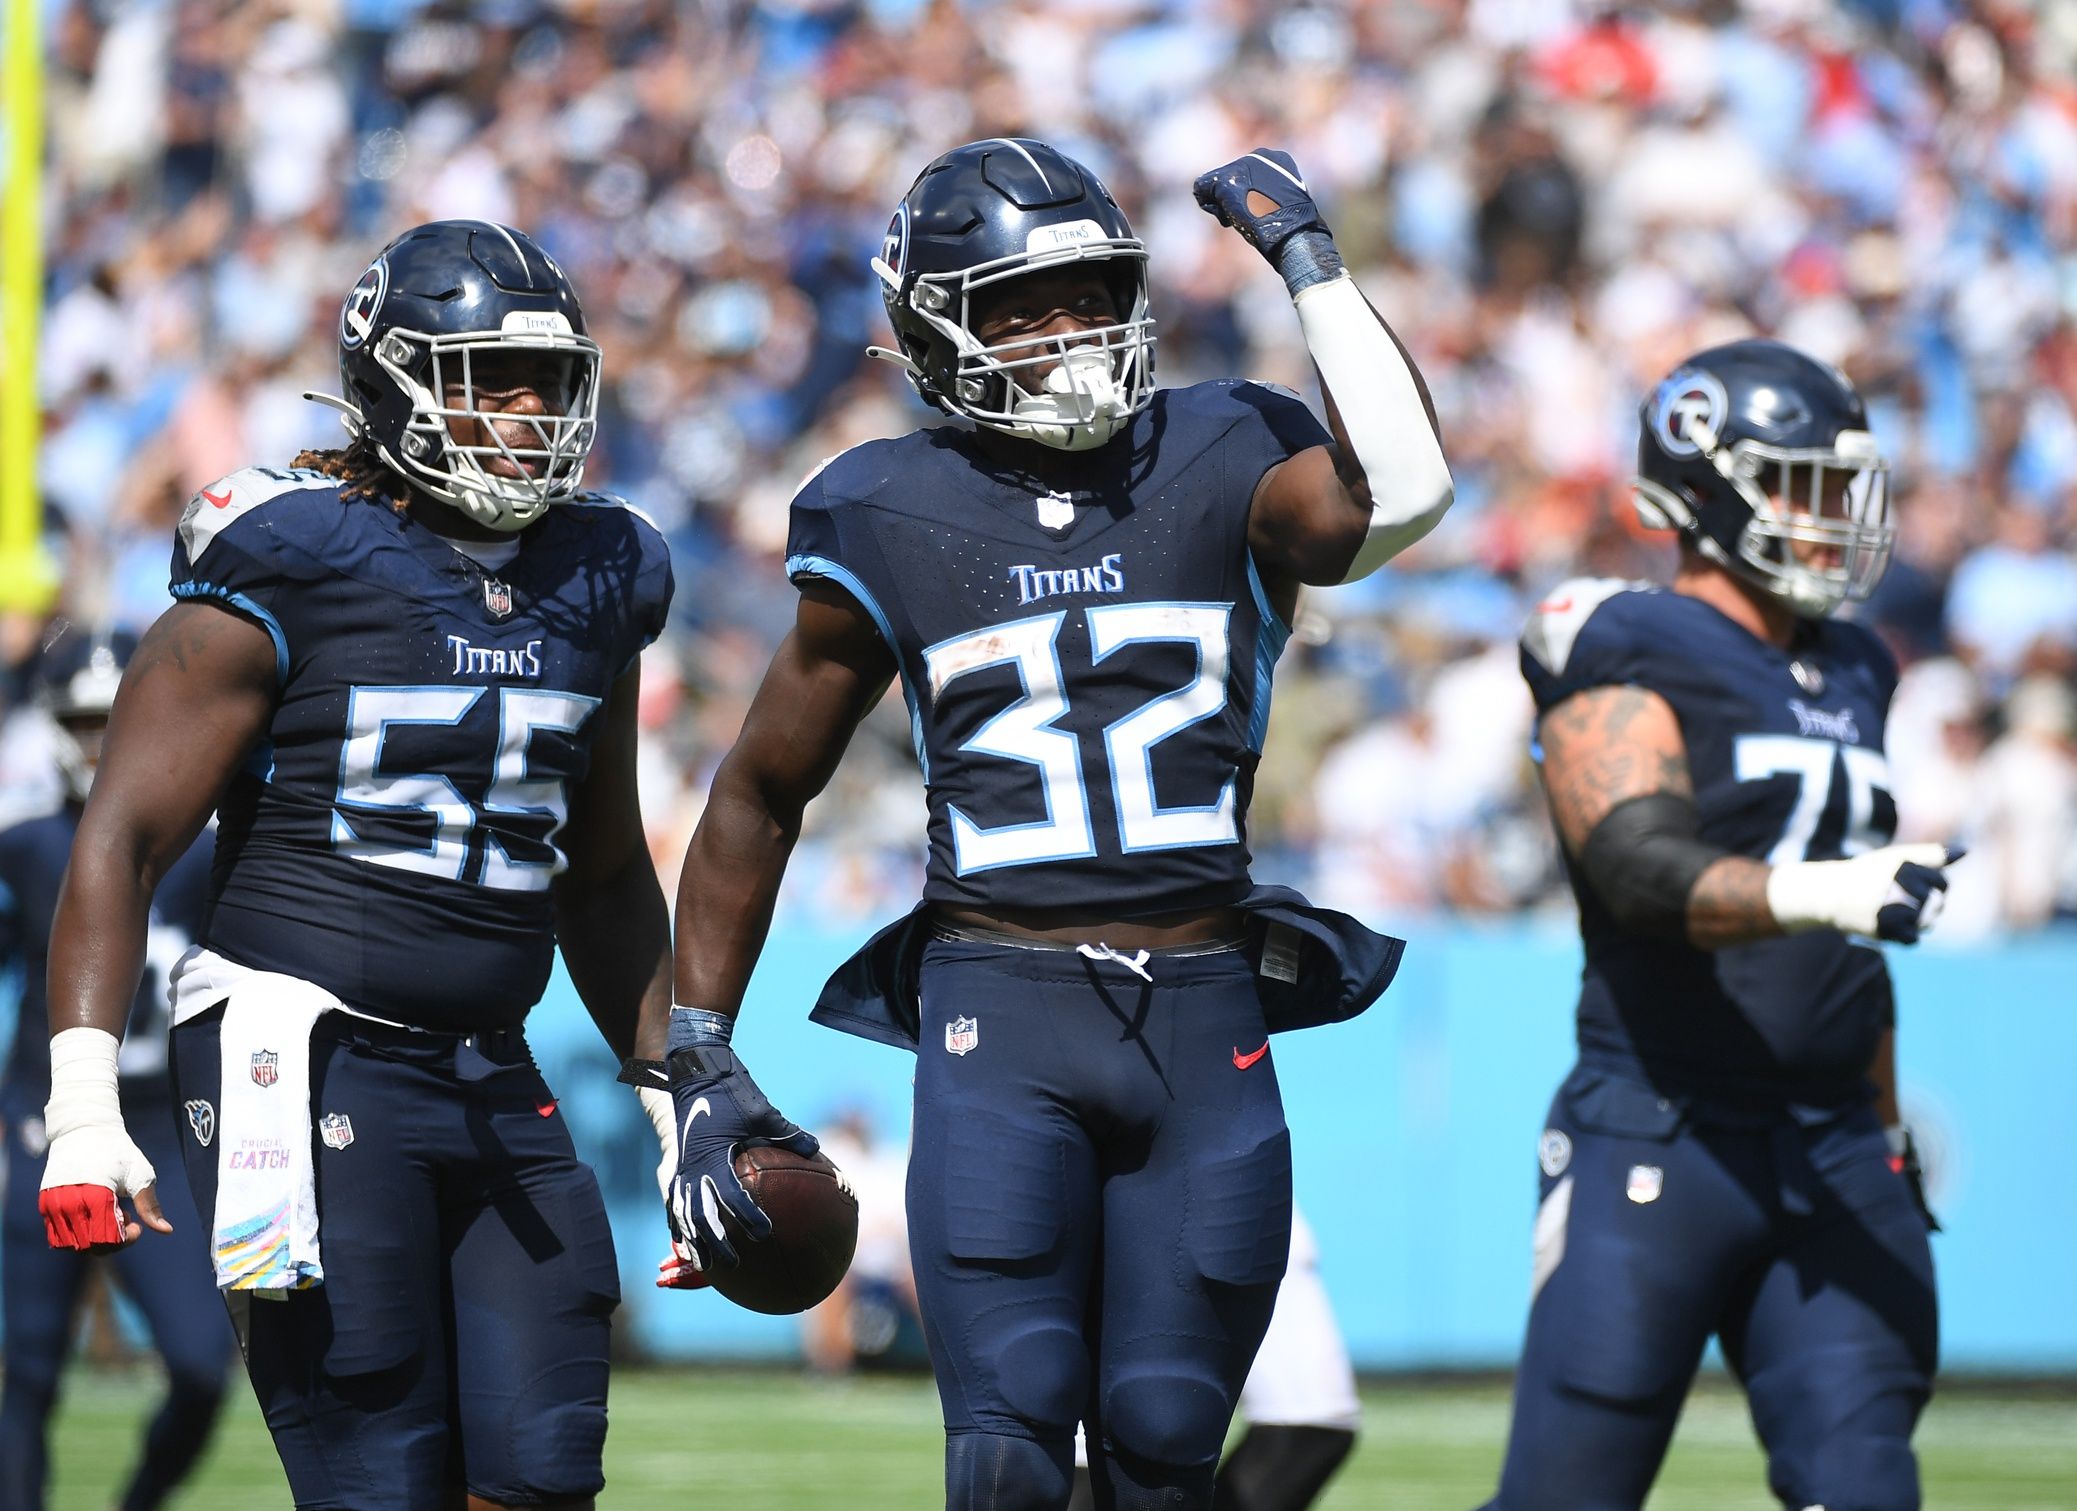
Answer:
(1551, 201)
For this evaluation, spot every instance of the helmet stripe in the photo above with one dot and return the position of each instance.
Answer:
(1019, 148)
(512, 242)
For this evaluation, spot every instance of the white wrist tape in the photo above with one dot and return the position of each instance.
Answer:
(1381, 410)
(663, 1116)
(84, 1117)
(82, 1081)
(1842, 894)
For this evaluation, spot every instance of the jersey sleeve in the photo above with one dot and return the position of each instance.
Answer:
(225, 550)
(1581, 637)
(1273, 424)
(655, 583)
(827, 540)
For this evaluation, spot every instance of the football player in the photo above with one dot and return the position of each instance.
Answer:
(1083, 589)
(1717, 1162)
(76, 678)
(404, 676)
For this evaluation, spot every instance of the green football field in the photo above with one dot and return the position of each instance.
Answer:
(782, 1442)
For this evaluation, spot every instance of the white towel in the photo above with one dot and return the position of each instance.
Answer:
(263, 1234)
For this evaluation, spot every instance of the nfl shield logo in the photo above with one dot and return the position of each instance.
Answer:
(336, 1129)
(1646, 1181)
(266, 1067)
(201, 1118)
(962, 1034)
(497, 597)
(1056, 511)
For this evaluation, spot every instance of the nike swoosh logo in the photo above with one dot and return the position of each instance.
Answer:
(1242, 1062)
(215, 502)
(699, 1107)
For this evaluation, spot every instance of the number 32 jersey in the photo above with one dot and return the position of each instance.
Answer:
(1785, 751)
(1087, 658)
(394, 836)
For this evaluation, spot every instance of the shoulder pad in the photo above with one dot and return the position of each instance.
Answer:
(857, 472)
(1555, 623)
(619, 505)
(816, 471)
(231, 498)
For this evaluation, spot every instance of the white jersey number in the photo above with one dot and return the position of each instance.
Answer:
(1024, 732)
(371, 712)
(1814, 764)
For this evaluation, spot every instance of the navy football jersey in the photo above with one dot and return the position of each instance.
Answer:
(393, 838)
(1785, 749)
(33, 856)
(1087, 659)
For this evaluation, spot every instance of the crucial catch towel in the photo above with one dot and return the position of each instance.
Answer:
(263, 1236)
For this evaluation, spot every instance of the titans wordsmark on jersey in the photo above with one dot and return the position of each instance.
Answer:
(394, 838)
(1785, 751)
(1087, 668)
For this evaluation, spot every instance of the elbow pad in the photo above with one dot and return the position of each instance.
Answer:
(1643, 859)
(1381, 411)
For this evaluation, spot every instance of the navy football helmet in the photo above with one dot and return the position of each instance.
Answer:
(429, 307)
(1000, 209)
(74, 680)
(1760, 456)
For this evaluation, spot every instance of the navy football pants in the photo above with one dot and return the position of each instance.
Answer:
(460, 1336)
(167, 1278)
(1797, 1246)
(1099, 1213)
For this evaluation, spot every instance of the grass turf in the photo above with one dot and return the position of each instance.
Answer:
(781, 1442)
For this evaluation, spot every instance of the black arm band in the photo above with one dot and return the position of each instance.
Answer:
(1643, 859)
(639, 1072)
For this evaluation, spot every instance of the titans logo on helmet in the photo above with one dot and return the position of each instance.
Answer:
(1688, 396)
(357, 315)
(894, 247)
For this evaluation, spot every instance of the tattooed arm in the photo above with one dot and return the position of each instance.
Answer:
(1609, 747)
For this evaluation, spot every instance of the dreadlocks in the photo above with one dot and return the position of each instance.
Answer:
(360, 469)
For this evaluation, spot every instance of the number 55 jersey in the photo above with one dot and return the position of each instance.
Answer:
(1785, 751)
(393, 837)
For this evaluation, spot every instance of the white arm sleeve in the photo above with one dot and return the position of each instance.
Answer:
(1381, 409)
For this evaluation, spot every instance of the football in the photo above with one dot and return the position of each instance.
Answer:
(814, 1230)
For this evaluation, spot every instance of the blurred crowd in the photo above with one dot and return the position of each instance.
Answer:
(1551, 200)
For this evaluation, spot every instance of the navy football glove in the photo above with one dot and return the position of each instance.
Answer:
(719, 1110)
(1917, 895)
(1264, 197)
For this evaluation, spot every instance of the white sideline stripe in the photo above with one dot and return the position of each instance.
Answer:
(514, 245)
(1267, 163)
(1018, 147)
